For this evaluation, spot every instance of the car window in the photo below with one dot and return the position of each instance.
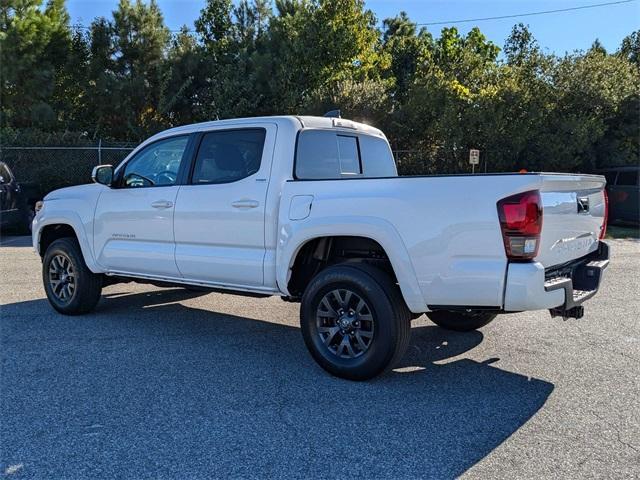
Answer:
(628, 178)
(317, 155)
(228, 155)
(325, 154)
(377, 159)
(348, 155)
(156, 165)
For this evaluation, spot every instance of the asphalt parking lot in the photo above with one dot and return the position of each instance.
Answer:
(166, 383)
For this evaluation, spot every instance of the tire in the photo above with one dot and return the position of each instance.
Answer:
(78, 290)
(377, 331)
(461, 321)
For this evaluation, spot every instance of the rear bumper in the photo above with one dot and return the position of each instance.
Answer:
(579, 279)
(530, 287)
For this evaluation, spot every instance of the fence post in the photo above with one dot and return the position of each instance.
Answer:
(100, 151)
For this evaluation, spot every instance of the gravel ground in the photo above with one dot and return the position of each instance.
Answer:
(165, 383)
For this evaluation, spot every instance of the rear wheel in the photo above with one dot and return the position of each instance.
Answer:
(461, 321)
(354, 321)
(71, 287)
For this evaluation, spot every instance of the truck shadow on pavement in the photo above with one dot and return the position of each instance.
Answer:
(149, 387)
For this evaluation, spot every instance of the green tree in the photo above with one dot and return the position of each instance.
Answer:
(437, 96)
(406, 47)
(184, 85)
(315, 44)
(102, 85)
(589, 91)
(34, 45)
(630, 48)
(140, 41)
(215, 28)
(443, 111)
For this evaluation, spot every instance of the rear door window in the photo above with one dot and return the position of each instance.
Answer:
(227, 156)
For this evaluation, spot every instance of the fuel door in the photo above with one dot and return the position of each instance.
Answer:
(300, 207)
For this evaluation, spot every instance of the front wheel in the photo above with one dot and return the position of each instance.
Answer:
(71, 287)
(354, 321)
(461, 321)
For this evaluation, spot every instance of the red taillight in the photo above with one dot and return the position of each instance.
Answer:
(603, 228)
(521, 223)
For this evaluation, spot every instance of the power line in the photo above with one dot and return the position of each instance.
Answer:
(482, 19)
(528, 14)
(79, 26)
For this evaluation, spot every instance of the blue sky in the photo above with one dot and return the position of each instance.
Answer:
(558, 32)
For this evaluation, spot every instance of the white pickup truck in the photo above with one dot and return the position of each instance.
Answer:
(311, 209)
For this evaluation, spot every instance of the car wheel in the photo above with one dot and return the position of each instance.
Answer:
(461, 321)
(70, 286)
(354, 321)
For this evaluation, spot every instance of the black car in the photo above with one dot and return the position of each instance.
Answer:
(623, 188)
(17, 202)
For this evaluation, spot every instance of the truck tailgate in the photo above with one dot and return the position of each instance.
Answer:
(573, 216)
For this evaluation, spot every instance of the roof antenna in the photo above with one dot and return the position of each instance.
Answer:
(333, 114)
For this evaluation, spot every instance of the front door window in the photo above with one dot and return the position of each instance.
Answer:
(156, 165)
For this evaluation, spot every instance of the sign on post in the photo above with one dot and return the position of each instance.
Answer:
(474, 159)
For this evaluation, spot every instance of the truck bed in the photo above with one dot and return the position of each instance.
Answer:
(450, 227)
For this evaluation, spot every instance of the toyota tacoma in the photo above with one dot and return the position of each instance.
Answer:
(312, 209)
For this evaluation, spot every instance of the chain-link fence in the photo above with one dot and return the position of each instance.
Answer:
(54, 167)
(419, 162)
(60, 166)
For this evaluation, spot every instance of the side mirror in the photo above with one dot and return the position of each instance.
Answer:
(2, 179)
(103, 174)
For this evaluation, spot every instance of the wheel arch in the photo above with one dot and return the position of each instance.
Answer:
(294, 239)
(54, 228)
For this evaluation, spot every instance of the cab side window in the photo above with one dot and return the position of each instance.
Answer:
(227, 156)
(326, 154)
(377, 157)
(323, 154)
(156, 165)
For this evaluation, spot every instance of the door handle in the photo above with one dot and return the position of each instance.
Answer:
(245, 204)
(162, 204)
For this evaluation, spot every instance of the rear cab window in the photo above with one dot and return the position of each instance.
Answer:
(329, 154)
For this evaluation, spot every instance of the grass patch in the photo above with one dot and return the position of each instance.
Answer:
(614, 231)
